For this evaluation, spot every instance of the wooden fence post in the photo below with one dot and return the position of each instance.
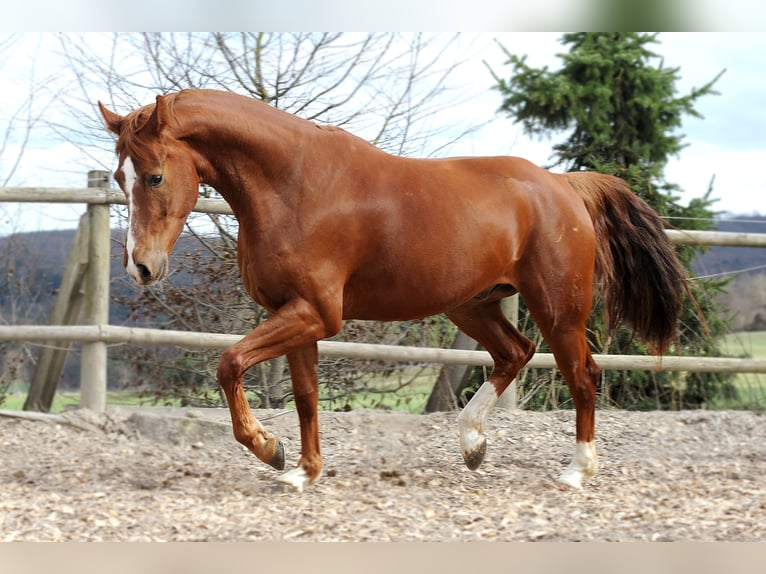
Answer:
(66, 310)
(93, 362)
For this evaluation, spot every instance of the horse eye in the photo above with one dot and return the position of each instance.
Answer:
(154, 180)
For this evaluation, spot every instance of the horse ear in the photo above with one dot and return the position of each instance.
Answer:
(162, 110)
(113, 121)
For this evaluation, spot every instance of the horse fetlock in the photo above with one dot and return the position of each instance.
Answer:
(471, 421)
(263, 445)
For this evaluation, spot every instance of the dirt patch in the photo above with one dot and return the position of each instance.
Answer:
(388, 476)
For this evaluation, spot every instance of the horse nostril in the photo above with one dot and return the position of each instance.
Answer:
(144, 272)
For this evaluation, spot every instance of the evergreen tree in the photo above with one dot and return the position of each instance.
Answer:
(619, 112)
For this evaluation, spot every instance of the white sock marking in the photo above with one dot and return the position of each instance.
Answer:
(584, 465)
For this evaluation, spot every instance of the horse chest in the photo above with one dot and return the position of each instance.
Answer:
(269, 278)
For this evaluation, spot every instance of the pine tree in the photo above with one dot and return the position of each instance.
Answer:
(619, 112)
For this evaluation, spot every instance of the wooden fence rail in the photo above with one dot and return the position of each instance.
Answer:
(96, 334)
(113, 334)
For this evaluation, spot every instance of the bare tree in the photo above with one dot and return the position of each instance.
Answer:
(24, 284)
(19, 122)
(386, 87)
(10, 122)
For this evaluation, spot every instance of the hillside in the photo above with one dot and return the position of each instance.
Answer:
(32, 265)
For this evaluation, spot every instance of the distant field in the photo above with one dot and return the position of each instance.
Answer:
(64, 399)
(412, 388)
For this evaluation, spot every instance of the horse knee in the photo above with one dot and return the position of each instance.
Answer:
(230, 368)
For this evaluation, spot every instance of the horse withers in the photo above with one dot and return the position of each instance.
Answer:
(333, 228)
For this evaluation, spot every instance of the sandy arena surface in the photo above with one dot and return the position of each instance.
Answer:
(178, 475)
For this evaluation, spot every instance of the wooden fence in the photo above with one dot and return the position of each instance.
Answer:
(86, 286)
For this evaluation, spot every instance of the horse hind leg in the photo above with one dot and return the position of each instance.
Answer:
(563, 327)
(510, 351)
(582, 375)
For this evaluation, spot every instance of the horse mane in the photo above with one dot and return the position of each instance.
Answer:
(129, 141)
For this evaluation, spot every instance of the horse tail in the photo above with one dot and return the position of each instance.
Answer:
(637, 270)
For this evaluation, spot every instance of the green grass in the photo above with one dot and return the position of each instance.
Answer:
(751, 387)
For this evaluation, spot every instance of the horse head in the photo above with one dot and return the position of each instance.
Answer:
(160, 181)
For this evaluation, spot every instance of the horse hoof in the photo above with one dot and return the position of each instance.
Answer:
(278, 460)
(296, 478)
(475, 457)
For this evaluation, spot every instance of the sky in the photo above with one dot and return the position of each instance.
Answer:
(727, 144)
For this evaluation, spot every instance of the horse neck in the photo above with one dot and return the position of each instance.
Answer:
(246, 146)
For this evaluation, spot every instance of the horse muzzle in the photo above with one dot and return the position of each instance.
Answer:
(148, 270)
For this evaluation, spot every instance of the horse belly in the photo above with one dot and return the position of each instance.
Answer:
(415, 287)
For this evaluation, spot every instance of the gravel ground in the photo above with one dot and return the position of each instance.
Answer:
(173, 475)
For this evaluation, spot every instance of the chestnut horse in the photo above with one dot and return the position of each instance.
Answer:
(332, 228)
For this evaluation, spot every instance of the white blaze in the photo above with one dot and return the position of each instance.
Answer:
(129, 170)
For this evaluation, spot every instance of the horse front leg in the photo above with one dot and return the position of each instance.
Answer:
(247, 429)
(303, 372)
(293, 330)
